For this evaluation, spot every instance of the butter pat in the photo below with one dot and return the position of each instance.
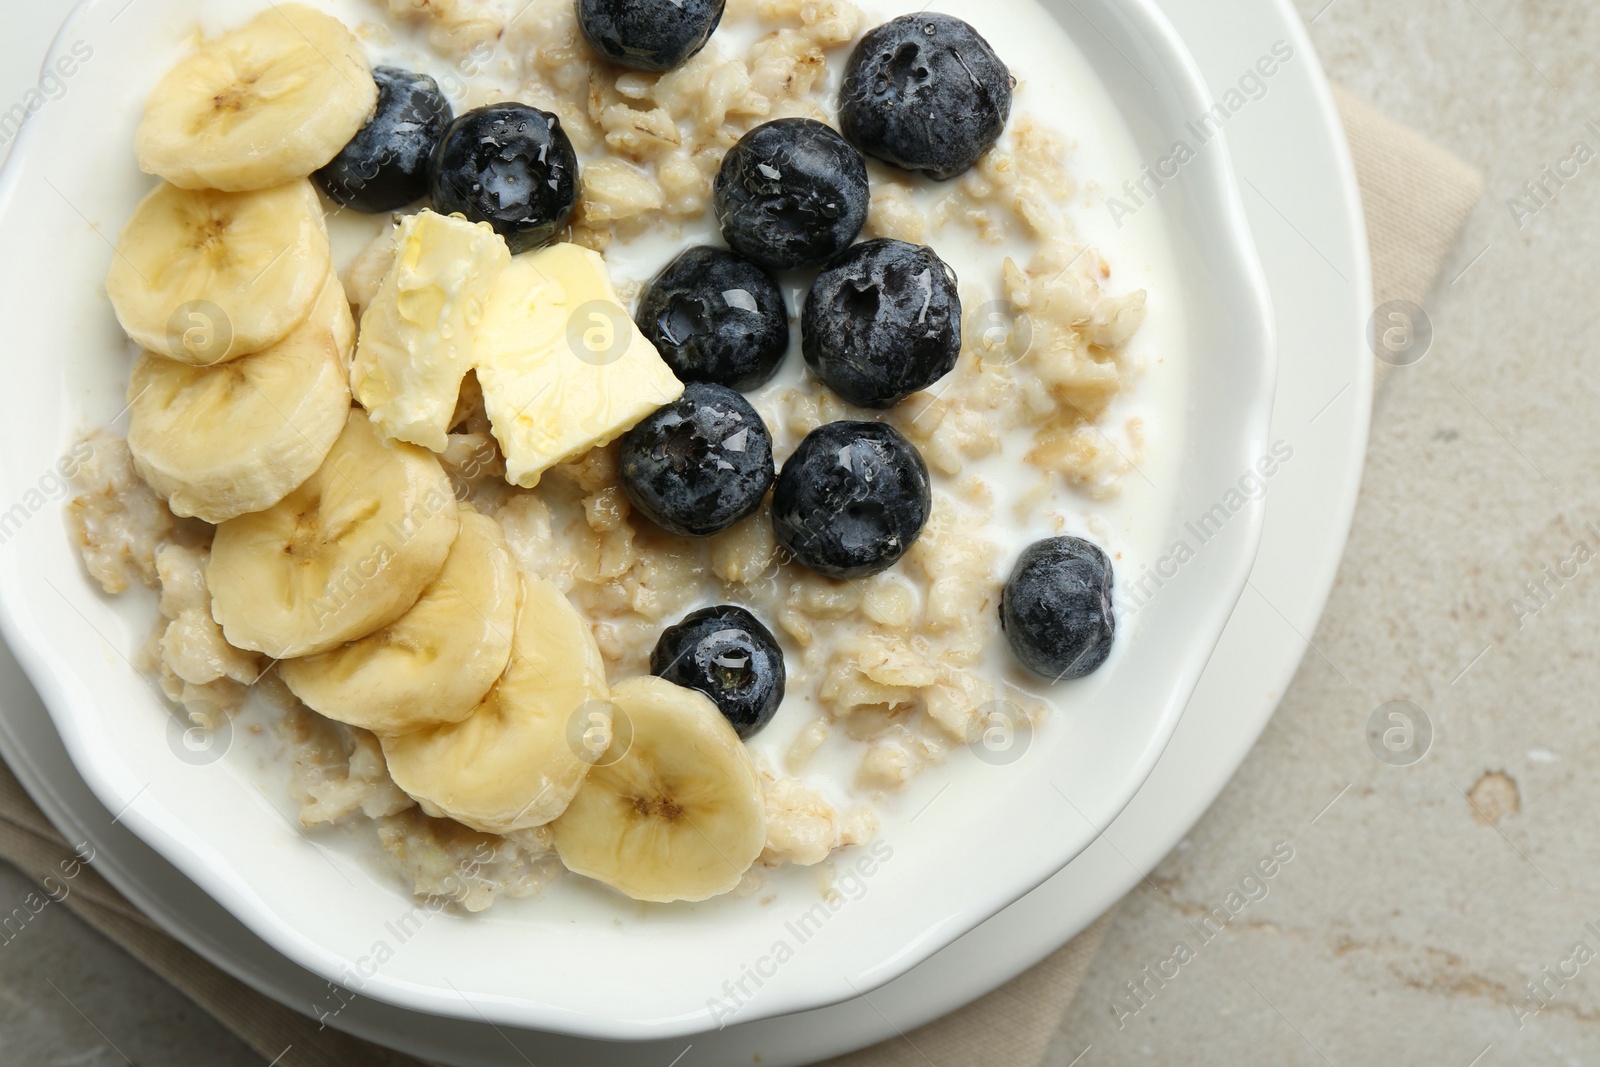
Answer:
(417, 335)
(562, 366)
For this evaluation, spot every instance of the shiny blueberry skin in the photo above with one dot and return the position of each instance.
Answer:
(926, 93)
(700, 464)
(1056, 608)
(792, 193)
(883, 321)
(729, 656)
(716, 317)
(509, 165)
(852, 499)
(653, 35)
(385, 166)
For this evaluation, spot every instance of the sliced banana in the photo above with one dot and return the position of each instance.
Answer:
(205, 277)
(342, 556)
(219, 442)
(672, 812)
(513, 763)
(274, 100)
(435, 663)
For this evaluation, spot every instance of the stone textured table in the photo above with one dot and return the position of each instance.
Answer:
(1419, 899)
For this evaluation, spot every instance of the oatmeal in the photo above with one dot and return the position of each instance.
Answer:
(340, 776)
(474, 414)
(194, 663)
(117, 521)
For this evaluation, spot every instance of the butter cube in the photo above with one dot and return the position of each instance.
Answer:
(417, 336)
(562, 366)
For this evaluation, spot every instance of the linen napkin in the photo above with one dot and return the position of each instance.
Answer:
(1416, 197)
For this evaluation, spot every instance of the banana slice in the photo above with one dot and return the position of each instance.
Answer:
(205, 277)
(673, 813)
(513, 764)
(435, 663)
(342, 556)
(274, 100)
(220, 442)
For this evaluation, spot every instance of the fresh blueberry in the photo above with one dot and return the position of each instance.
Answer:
(653, 35)
(729, 656)
(791, 194)
(925, 92)
(385, 166)
(883, 320)
(509, 165)
(700, 464)
(852, 499)
(1056, 608)
(716, 317)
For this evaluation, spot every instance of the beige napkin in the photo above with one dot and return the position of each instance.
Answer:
(1417, 198)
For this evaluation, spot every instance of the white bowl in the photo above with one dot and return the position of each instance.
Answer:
(577, 960)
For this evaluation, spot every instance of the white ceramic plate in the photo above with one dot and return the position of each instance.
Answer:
(1321, 309)
(555, 966)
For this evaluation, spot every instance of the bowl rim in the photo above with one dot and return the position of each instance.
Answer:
(155, 825)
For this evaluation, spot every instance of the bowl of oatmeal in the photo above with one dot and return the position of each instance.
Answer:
(463, 751)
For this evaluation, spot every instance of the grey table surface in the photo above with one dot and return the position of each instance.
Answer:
(1420, 904)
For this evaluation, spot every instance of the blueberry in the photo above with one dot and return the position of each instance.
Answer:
(1056, 608)
(509, 165)
(700, 464)
(790, 194)
(653, 35)
(729, 656)
(716, 317)
(852, 499)
(385, 166)
(925, 92)
(883, 320)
